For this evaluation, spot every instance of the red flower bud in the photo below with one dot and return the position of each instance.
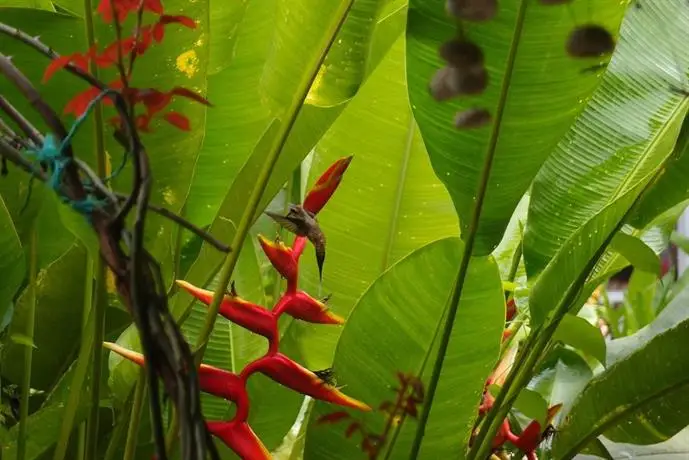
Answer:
(239, 311)
(530, 438)
(290, 374)
(239, 437)
(281, 257)
(212, 380)
(326, 185)
(302, 306)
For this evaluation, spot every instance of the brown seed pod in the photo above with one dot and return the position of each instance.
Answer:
(554, 2)
(474, 81)
(590, 41)
(472, 10)
(472, 118)
(461, 53)
(441, 88)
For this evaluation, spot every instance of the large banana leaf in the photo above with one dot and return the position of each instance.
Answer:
(57, 323)
(244, 51)
(407, 303)
(641, 397)
(627, 130)
(12, 264)
(535, 92)
(311, 123)
(388, 204)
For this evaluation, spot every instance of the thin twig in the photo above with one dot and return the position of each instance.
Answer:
(31, 132)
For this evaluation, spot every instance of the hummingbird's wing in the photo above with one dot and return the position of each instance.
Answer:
(284, 222)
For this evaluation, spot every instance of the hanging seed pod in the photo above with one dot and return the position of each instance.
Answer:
(472, 10)
(472, 118)
(554, 2)
(461, 53)
(474, 81)
(590, 41)
(441, 88)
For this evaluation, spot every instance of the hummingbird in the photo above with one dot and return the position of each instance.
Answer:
(303, 223)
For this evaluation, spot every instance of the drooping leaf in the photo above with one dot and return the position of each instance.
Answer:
(407, 302)
(667, 192)
(627, 130)
(578, 333)
(636, 252)
(527, 65)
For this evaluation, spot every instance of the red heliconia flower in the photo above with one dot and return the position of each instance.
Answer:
(530, 438)
(302, 306)
(282, 258)
(212, 380)
(239, 437)
(239, 311)
(510, 310)
(290, 374)
(503, 435)
(124, 7)
(325, 186)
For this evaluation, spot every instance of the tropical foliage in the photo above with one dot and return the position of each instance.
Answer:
(172, 275)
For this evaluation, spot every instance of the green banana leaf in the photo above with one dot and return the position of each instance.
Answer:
(407, 302)
(640, 397)
(627, 130)
(388, 204)
(311, 123)
(535, 91)
(675, 448)
(12, 262)
(666, 193)
(57, 323)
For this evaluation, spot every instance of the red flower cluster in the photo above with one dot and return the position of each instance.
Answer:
(153, 100)
(236, 433)
(532, 436)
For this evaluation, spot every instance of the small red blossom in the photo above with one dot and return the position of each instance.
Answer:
(78, 104)
(511, 310)
(326, 185)
(123, 8)
(79, 60)
(178, 120)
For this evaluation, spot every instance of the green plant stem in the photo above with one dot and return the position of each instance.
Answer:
(119, 431)
(88, 299)
(80, 371)
(28, 351)
(453, 305)
(135, 417)
(100, 297)
(264, 175)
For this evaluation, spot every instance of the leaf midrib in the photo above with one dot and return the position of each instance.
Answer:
(401, 182)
